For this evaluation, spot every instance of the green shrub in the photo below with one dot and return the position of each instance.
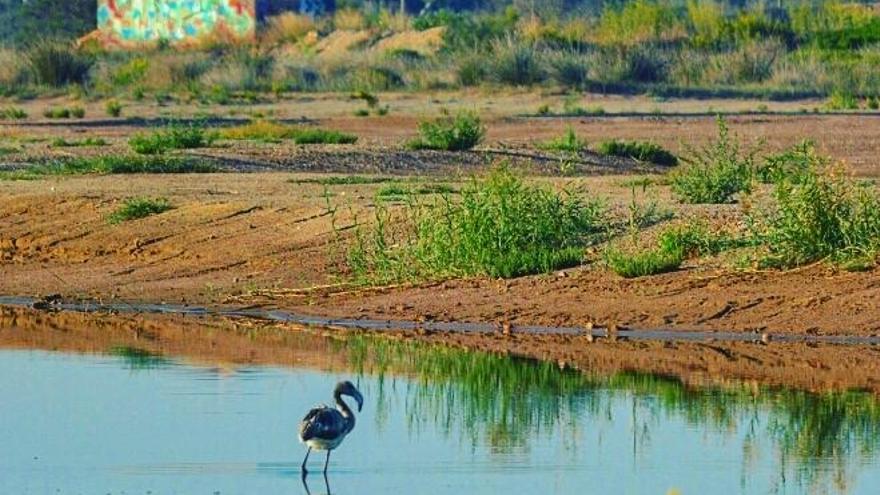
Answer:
(568, 142)
(55, 63)
(77, 112)
(471, 70)
(113, 108)
(57, 113)
(823, 214)
(136, 208)
(695, 239)
(842, 100)
(789, 165)
(715, 173)
(644, 151)
(500, 227)
(516, 63)
(570, 69)
(462, 132)
(175, 137)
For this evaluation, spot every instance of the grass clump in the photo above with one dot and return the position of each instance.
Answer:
(13, 113)
(567, 143)
(499, 227)
(399, 191)
(110, 165)
(113, 108)
(824, 214)
(75, 112)
(176, 137)
(89, 141)
(715, 173)
(136, 208)
(643, 151)
(461, 132)
(629, 264)
(267, 131)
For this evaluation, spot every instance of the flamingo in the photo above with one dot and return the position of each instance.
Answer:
(324, 428)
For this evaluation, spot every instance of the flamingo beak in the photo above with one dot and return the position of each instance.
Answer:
(360, 400)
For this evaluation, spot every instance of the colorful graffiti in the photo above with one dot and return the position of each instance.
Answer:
(135, 21)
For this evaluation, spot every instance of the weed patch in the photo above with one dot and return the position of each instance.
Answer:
(110, 165)
(461, 132)
(89, 141)
(136, 208)
(267, 131)
(631, 264)
(176, 137)
(715, 173)
(499, 227)
(642, 151)
(567, 143)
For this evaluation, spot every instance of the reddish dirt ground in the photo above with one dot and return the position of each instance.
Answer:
(260, 239)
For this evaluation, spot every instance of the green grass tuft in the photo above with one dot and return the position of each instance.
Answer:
(90, 141)
(264, 130)
(136, 208)
(498, 227)
(644, 263)
(643, 151)
(567, 143)
(175, 137)
(458, 133)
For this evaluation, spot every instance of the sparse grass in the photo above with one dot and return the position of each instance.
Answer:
(399, 191)
(268, 131)
(89, 141)
(13, 113)
(715, 173)
(567, 143)
(110, 165)
(499, 227)
(346, 180)
(175, 137)
(644, 151)
(76, 112)
(461, 132)
(136, 208)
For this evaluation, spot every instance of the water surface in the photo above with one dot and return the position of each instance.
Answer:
(434, 421)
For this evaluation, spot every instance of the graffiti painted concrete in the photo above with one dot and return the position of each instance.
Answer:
(126, 22)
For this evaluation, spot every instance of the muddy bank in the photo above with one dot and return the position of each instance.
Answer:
(242, 341)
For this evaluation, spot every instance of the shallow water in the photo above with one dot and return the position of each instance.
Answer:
(434, 422)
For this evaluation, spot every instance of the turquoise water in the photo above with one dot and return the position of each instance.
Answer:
(104, 424)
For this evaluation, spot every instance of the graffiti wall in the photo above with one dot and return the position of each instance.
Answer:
(126, 22)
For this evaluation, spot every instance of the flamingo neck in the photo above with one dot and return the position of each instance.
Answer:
(343, 408)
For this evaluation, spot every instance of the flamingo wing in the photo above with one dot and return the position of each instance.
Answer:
(324, 423)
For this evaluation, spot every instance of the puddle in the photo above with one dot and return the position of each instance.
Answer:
(435, 421)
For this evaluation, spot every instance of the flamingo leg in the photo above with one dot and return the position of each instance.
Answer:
(326, 463)
(304, 470)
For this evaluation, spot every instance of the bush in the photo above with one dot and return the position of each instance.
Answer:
(516, 63)
(789, 165)
(176, 137)
(58, 64)
(824, 214)
(644, 151)
(136, 208)
(500, 227)
(57, 113)
(570, 69)
(715, 173)
(322, 136)
(462, 132)
(471, 70)
(113, 108)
